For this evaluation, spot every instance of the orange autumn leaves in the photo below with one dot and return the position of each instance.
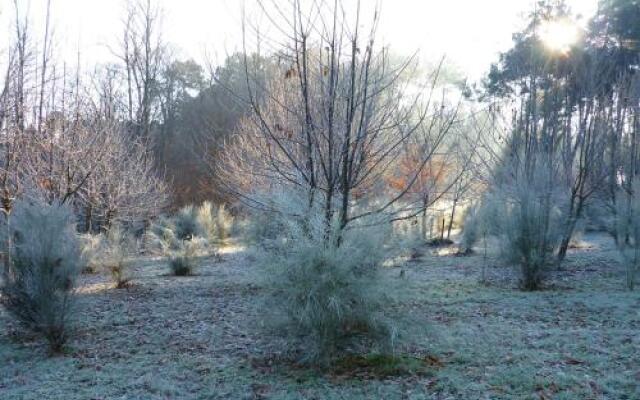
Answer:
(430, 181)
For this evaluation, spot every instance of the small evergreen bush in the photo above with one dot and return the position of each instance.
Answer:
(183, 261)
(185, 223)
(38, 285)
(326, 286)
(528, 222)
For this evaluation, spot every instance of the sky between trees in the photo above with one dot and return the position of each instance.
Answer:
(469, 33)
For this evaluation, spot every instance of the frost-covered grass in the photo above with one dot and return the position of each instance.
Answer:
(197, 338)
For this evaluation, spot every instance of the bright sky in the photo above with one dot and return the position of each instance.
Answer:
(468, 32)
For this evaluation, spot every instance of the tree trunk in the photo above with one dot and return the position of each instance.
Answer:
(453, 213)
(87, 218)
(423, 228)
(8, 244)
(564, 245)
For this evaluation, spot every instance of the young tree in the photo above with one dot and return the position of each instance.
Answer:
(561, 113)
(14, 142)
(37, 288)
(179, 81)
(333, 122)
(628, 231)
(143, 53)
(612, 39)
(73, 136)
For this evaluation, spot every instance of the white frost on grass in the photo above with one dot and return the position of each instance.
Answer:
(197, 337)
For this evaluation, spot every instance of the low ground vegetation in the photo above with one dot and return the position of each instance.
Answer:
(197, 336)
(183, 262)
(189, 234)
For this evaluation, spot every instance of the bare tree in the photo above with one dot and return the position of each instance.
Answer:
(125, 187)
(143, 54)
(13, 103)
(74, 149)
(45, 59)
(334, 121)
(623, 147)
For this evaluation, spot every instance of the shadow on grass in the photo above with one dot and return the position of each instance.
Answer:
(360, 367)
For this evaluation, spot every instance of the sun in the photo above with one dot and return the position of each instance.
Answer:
(559, 35)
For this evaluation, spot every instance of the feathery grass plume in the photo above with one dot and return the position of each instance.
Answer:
(118, 253)
(206, 221)
(184, 237)
(160, 238)
(38, 286)
(214, 223)
(224, 223)
(91, 252)
(185, 223)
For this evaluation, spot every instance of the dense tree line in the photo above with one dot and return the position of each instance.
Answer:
(569, 123)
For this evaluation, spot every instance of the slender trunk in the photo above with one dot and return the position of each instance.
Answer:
(108, 219)
(328, 211)
(8, 243)
(344, 211)
(43, 73)
(425, 203)
(129, 91)
(484, 259)
(88, 218)
(566, 240)
(430, 223)
(453, 213)
(575, 211)
(613, 166)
